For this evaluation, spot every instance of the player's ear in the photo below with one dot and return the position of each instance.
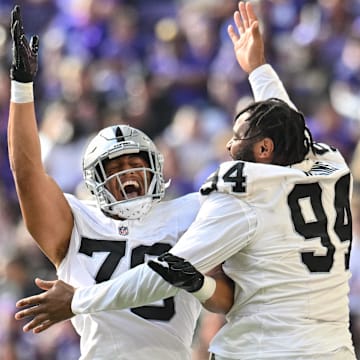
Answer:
(264, 150)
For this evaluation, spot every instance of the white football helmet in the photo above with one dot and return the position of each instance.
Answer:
(110, 143)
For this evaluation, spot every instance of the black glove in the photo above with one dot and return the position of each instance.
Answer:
(179, 272)
(24, 63)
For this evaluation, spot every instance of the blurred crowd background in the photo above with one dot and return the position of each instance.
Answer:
(168, 68)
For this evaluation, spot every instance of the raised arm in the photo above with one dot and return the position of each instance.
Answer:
(140, 285)
(45, 210)
(249, 51)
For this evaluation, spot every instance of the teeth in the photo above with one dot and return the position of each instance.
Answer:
(131, 183)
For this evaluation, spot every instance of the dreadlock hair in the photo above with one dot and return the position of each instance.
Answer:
(275, 119)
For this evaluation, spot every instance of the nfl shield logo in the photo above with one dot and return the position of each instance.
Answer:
(123, 230)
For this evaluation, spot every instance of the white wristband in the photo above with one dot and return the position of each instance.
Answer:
(207, 290)
(21, 92)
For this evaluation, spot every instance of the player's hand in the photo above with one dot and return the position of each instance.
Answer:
(178, 272)
(47, 308)
(247, 40)
(25, 60)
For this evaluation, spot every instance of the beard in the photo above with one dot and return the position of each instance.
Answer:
(246, 153)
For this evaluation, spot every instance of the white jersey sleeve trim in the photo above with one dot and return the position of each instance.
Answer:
(266, 84)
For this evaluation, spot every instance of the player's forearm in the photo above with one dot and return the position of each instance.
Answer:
(266, 84)
(38, 194)
(137, 287)
(23, 139)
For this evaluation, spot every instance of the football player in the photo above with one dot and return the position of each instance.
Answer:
(277, 217)
(92, 242)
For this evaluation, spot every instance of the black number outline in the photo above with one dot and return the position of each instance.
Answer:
(343, 211)
(152, 312)
(235, 175)
(311, 230)
(116, 250)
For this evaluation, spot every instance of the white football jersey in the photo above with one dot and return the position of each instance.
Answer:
(284, 235)
(102, 248)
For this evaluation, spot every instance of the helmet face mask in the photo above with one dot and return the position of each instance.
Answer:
(114, 142)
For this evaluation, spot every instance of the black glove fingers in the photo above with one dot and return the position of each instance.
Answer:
(23, 54)
(14, 16)
(24, 62)
(13, 30)
(170, 258)
(165, 257)
(16, 33)
(34, 45)
(185, 267)
(178, 264)
(16, 24)
(24, 42)
(161, 270)
(17, 16)
(189, 271)
(179, 272)
(29, 51)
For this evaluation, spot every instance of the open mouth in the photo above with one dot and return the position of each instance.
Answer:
(132, 189)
